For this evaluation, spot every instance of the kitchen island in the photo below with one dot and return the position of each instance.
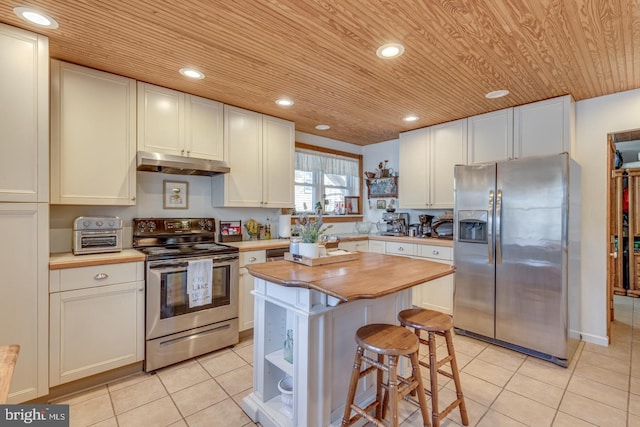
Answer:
(322, 307)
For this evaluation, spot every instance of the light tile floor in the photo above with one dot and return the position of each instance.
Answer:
(601, 387)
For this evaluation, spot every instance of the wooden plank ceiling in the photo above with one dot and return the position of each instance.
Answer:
(321, 54)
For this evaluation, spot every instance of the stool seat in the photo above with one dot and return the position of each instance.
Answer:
(389, 340)
(427, 320)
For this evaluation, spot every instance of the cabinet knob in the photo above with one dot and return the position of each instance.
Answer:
(182, 151)
(188, 151)
(141, 289)
(401, 249)
(435, 252)
(101, 276)
(252, 259)
(133, 198)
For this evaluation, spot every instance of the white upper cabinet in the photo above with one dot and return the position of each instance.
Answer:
(180, 124)
(24, 89)
(536, 129)
(544, 127)
(260, 152)
(448, 148)
(427, 158)
(491, 136)
(278, 162)
(93, 136)
(413, 182)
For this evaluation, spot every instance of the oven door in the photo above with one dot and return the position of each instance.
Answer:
(168, 309)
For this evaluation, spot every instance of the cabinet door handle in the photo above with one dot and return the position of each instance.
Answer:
(252, 259)
(100, 276)
(435, 252)
(140, 289)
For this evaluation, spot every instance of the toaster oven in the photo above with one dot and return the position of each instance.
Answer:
(93, 235)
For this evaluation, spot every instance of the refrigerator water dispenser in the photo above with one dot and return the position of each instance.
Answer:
(472, 226)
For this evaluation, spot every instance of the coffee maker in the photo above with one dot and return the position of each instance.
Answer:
(397, 223)
(425, 225)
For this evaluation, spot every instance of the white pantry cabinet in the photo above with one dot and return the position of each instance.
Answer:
(246, 286)
(24, 121)
(97, 320)
(260, 152)
(178, 123)
(24, 306)
(427, 158)
(93, 137)
(535, 129)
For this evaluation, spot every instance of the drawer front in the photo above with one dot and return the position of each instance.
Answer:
(436, 252)
(252, 257)
(395, 248)
(98, 275)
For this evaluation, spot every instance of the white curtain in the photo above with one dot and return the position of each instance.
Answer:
(327, 163)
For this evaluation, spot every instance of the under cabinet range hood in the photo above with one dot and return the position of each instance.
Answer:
(179, 165)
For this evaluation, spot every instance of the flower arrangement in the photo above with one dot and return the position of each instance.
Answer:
(310, 229)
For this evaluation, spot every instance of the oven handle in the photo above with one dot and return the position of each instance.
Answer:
(184, 264)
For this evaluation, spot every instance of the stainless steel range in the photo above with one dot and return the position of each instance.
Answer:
(192, 289)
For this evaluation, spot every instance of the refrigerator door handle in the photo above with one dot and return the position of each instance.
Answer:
(499, 227)
(489, 227)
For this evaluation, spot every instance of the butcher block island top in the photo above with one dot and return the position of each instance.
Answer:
(370, 275)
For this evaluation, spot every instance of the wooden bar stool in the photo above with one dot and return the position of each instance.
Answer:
(391, 341)
(436, 323)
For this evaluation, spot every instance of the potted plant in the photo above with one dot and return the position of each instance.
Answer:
(309, 230)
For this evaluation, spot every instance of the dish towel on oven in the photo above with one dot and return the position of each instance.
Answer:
(199, 282)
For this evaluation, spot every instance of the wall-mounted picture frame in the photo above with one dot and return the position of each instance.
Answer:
(381, 204)
(383, 187)
(176, 194)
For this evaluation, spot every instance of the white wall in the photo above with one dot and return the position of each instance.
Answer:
(595, 118)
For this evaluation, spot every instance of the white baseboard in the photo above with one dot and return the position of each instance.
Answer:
(590, 338)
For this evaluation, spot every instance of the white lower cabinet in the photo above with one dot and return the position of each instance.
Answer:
(376, 246)
(246, 286)
(355, 246)
(97, 320)
(436, 294)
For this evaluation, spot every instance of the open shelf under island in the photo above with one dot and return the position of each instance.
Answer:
(323, 306)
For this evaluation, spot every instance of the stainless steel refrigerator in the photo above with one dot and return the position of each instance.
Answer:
(517, 254)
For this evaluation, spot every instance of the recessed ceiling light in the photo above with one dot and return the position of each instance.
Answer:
(323, 127)
(191, 73)
(284, 102)
(390, 50)
(497, 94)
(35, 17)
(411, 118)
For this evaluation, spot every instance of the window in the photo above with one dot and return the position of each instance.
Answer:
(325, 176)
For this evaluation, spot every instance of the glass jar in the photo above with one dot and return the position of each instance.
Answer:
(288, 346)
(294, 245)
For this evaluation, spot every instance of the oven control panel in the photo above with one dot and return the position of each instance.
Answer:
(149, 226)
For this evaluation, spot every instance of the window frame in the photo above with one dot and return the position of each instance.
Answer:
(358, 157)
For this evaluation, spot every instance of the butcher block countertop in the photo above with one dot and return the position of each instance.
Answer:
(8, 358)
(368, 276)
(69, 260)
